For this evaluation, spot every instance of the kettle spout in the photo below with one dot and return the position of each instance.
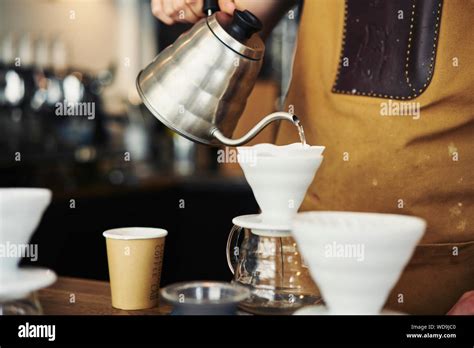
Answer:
(276, 116)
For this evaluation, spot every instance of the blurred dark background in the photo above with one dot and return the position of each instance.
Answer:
(116, 166)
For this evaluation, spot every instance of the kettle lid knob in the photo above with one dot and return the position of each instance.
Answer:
(244, 25)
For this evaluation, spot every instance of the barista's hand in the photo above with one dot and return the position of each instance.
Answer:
(184, 11)
(465, 305)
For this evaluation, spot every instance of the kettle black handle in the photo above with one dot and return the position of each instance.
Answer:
(210, 6)
(244, 25)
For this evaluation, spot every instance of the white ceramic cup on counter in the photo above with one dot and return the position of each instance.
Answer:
(356, 258)
(20, 213)
(21, 210)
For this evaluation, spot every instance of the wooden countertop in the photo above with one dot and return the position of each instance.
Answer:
(75, 296)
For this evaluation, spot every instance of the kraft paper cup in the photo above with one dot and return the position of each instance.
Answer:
(135, 257)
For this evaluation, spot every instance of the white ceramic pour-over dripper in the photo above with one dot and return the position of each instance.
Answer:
(20, 213)
(279, 177)
(356, 258)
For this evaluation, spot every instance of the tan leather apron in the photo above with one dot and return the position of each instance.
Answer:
(390, 163)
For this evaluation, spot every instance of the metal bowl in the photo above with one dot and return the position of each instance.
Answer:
(204, 297)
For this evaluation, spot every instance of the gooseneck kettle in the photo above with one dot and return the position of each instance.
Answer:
(199, 85)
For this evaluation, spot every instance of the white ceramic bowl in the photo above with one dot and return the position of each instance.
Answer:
(20, 213)
(356, 258)
(279, 176)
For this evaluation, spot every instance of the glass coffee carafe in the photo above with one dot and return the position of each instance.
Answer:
(269, 264)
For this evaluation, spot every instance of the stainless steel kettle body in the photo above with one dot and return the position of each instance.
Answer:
(199, 86)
